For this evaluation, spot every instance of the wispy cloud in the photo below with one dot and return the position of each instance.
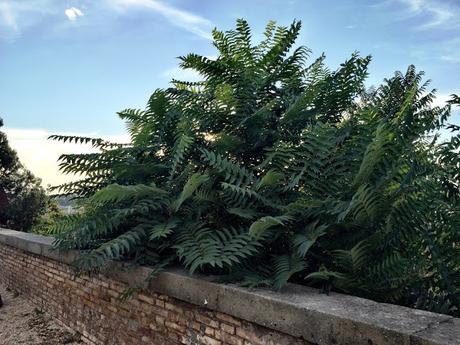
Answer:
(17, 15)
(453, 58)
(433, 13)
(447, 50)
(450, 50)
(437, 19)
(40, 155)
(189, 21)
(73, 13)
(7, 16)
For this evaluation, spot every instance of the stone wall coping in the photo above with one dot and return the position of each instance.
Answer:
(296, 310)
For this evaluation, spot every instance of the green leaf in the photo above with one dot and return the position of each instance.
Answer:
(305, 240)
(193, 183)
(163, 230)
(242, 212)
(258, 228)
(271, 178)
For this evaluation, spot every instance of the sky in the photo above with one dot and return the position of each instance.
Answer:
(67, 66)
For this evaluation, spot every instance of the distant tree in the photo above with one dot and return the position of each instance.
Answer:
(22, 199)
(49, 219)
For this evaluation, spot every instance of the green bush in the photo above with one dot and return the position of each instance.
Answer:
(273, 170)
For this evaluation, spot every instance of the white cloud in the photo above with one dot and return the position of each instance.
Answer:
(186, 20)
(40, 155)
(73, 13)
(441, 99)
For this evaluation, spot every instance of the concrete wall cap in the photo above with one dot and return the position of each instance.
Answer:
(296, 310)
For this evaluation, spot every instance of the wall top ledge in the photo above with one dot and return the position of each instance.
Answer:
(296, 310)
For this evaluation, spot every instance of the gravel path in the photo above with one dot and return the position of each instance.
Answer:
(22, 323)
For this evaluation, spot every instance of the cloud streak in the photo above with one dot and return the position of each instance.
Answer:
(189, 21)
(435, 13)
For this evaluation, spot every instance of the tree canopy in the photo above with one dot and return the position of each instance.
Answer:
(22, 199)
(275, 168)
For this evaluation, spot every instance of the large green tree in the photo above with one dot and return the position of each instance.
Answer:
(22, 199)
(274, 168)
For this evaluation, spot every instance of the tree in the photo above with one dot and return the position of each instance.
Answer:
(49, 218)
(22, 199)
(271, 169)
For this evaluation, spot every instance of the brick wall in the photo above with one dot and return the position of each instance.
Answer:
(90, 306)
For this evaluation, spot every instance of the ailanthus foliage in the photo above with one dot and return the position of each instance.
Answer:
(275, 168)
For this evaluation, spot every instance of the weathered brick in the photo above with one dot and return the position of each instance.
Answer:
(207, 321)
(145, 298)
(175, 308)
(248, 335)
(227, 328)
(228, 339)
(228, 319)
(208, 340)
(175, 326)
(90, 305)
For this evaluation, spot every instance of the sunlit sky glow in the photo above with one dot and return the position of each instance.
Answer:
(68, 66)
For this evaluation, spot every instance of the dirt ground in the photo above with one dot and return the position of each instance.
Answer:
(22, 323)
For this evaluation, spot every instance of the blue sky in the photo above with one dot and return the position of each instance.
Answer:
(69, 65)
